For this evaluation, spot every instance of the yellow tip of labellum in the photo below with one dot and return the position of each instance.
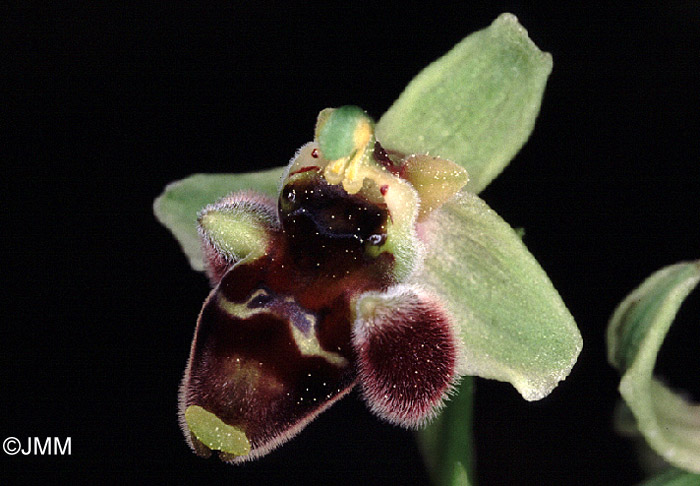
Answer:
(211, 431)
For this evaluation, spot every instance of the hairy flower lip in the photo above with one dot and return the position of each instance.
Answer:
(189, 395)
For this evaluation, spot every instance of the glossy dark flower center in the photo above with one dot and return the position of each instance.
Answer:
(314, 212)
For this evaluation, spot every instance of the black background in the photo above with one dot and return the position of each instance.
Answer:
(106, 106)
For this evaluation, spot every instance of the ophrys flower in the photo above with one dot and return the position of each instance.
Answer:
(372, 267)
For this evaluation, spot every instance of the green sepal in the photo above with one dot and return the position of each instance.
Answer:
(670, 425)
(476, 105)
(446, 442)
(513, 323)
(177, 207)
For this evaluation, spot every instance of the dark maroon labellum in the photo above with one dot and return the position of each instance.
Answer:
(272, 346)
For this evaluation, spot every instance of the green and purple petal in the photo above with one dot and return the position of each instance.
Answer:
(177, 207)
(234, 228)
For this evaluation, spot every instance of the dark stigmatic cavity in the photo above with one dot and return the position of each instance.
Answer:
(310, 208)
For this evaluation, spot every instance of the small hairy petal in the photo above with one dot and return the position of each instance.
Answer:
(235, 227)
(436, 180)
(408, 354)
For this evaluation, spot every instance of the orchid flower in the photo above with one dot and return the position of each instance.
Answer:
(370, 262)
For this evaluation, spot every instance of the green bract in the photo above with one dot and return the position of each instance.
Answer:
(476, 107)
(670, 425)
